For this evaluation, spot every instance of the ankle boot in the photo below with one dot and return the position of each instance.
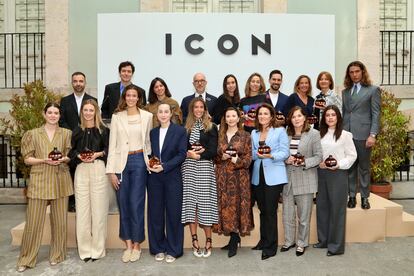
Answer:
(233, 244)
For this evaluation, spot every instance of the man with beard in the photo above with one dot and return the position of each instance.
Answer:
(70, 114)
(273, 95)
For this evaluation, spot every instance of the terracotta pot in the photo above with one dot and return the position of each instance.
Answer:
(382, 190)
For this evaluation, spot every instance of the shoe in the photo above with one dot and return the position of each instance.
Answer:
(126, 257)
(351, 202)
(300, 251)
(169, 259)
(365, 203)
(53, 263)
(160, 257)
(196, 249)
(330, 254)
(233, 244)
(93, 260)
(135, 255)
(21, 268)
(285, 248)
(207, 250)
(86, 260)
(319, 245)
(266, 256)
(258, 246)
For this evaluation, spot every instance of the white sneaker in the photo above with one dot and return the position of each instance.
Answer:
(169, 259)
(135, 255)
(126, 257)
(159, 257)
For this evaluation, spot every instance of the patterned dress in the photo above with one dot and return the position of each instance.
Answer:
(199, 187)
(233, 187)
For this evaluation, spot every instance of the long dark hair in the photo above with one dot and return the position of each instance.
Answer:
(323, 128)
(365, 81)
(236, 98)
(224, 126)
(152, 97)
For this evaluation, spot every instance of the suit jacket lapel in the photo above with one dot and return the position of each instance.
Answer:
(168, 136)
(302, 148)
(124, 121)
(74, 105)
(156, 143)
(363, 92)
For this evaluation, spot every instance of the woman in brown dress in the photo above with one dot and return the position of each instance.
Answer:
(233, 181)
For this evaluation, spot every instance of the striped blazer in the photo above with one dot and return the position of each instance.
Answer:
(304, 179)
(46, 181)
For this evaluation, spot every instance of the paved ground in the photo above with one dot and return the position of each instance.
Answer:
(395, 256)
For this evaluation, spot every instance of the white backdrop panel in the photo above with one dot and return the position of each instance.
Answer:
(300, 44)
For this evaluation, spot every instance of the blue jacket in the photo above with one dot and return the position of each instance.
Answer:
(274, 168)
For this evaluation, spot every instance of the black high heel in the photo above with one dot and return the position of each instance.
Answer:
(233, 244)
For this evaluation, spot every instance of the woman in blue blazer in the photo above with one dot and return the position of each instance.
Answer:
(269, 175)
(165, 188)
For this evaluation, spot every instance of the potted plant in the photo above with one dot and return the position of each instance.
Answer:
(389, 149)
(25, 114)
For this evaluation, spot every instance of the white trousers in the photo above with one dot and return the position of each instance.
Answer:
(92, 201)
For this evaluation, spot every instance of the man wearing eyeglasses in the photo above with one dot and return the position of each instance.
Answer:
(199, 83)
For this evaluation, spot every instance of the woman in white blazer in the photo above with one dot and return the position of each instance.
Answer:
(333, 182)
(303, 180)
(129, 147)
(269, 175)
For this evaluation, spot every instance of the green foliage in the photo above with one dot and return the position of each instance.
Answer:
(26, 113)
(388, 152)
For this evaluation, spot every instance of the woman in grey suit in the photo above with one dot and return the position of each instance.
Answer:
(306, 154)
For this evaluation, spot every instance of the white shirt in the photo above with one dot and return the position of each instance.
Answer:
(343, 150)
(358, 86)
(196, 95)
(274, 97)
(163, 132)
(79, 101)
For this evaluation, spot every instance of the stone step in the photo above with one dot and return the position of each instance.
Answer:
(384, 219)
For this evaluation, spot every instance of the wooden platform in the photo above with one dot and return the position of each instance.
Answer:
(384, 219)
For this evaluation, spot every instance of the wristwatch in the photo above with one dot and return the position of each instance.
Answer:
(373, 135)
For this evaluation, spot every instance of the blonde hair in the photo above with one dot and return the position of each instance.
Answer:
(99, 124)
(191, 118)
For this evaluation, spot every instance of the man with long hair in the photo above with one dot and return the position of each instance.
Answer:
(361, 108)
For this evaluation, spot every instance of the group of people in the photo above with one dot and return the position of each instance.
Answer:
(203, 163)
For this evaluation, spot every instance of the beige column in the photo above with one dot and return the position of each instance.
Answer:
(154, 5)
(274, 6)
(369, 37)
(57, 44)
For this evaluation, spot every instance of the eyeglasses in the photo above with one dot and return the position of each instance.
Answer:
(199, 81)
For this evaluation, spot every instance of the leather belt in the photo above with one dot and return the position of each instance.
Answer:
(135, 151)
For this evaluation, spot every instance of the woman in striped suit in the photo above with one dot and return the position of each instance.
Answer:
(50, 183)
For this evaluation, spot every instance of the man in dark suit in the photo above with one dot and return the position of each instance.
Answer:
(200, 83)
(70, 114)
(273, 95)
(361, 109)
(70, 104)
(113, 91)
